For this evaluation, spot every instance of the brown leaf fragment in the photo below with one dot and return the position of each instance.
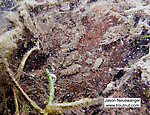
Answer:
(97, 64)
(73, 69)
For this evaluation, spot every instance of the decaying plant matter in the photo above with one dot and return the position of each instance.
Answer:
(51, 108)
(96, 48)
(57, 108)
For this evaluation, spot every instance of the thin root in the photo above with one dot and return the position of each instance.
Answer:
(16, 102)
(20, 89)
(23, 61)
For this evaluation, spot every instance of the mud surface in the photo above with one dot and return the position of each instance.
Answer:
(87, 45)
